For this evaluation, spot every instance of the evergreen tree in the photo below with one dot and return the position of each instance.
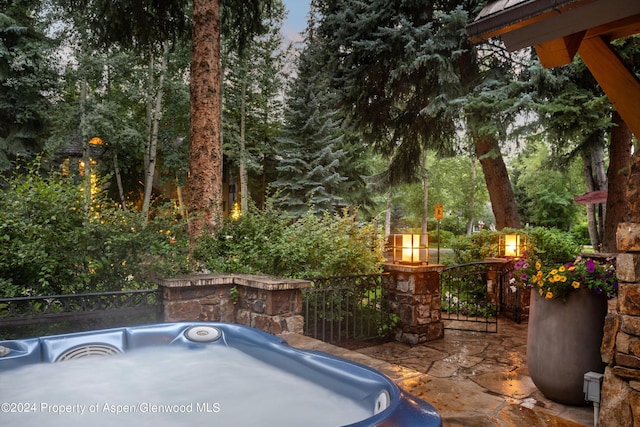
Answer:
(309, 153)
(253, 107)
(405, 70)
(26, 77)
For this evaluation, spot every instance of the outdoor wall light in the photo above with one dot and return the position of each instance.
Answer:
(512, 245)
(408, 249)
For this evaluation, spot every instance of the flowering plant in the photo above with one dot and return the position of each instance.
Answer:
(559, 281)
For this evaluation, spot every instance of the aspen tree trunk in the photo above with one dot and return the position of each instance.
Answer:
(472, 198)
(425, 195)
(116, 169)
(244, 177)
(86, 157)
(592, 223)
(150, 167)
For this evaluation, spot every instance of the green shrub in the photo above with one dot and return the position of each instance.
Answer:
(445, 238)
(269, 242)
(580, 234)
(475, 247)
(41, 227)
(549, 245)
(50, 245)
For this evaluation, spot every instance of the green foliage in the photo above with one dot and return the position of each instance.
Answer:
(445, 237)
(314, 245)
(475, 247)
(50, 245)
(552, 245)
(547, 244)
(41, 226)
(580, 233)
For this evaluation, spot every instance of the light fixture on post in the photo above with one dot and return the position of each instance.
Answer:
(512, 245)
(410, 249)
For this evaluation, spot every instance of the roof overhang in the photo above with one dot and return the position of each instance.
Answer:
(523, 23)
(560, 29)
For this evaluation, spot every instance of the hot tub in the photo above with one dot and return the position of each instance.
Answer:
(194, 373)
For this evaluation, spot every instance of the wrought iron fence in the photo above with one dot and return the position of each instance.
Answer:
(514, 301)
(35, 316)
(468, 297)
(347, 308)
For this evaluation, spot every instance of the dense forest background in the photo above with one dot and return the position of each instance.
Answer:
(384, 111)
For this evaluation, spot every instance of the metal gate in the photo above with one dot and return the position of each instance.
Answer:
(469, 296)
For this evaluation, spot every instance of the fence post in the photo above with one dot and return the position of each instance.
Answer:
(414, 296)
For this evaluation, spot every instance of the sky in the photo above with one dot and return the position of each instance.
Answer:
(296, 20)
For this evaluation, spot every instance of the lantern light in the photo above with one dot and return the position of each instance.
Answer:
(512, 245)
(408, 249)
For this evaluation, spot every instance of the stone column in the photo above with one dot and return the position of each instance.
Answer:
(267, 303)
(620, 401)
(414, 296)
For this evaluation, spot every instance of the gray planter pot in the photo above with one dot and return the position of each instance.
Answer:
(563, 343)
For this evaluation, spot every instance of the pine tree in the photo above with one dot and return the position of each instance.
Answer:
(309, 153)
(25, 76)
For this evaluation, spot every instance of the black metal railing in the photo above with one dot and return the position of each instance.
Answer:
(35, 316)
(347, 308)
(469, 297)
(514, 300)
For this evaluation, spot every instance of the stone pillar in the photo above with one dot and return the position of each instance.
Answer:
(620, 402)
(267, 303)
(414, 296)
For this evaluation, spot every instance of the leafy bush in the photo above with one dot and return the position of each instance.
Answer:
(551, 245)
(50, 245)
(445, 238)
(548, 245)
(580, 234)
(269, 242)
(41, 226)
(475, 247)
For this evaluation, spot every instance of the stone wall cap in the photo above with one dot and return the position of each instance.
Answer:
(268, 283)
(407, 268)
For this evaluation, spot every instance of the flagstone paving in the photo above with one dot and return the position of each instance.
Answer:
(472, 378)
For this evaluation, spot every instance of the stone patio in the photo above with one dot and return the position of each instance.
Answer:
(471, 378)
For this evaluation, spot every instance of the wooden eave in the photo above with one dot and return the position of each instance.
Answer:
(560, 29)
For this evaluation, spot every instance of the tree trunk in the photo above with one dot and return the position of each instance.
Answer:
(503, 201)
(244, 176)
(600, 177)
(387, 216)
(617, 174)
(116, 171)
(425, 194)
(592, 223)
(86, 156)
(156, 113)
(472, 197)
(633, 189)
(205, 154)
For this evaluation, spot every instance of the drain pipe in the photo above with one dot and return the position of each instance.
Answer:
(591, 388)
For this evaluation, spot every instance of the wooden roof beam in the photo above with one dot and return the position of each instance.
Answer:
(618, 82)
(560, 51)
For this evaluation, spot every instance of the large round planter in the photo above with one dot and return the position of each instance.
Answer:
(563, 343)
